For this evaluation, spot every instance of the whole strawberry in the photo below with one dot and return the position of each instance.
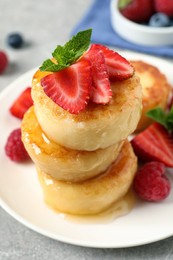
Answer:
(164, 6)
(151, 183)
(14, 147)
(137, 10)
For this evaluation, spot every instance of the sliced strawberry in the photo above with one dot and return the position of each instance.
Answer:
(100, 92)
(154, 144)
(22, 103)
(69, 88)
(118, 67)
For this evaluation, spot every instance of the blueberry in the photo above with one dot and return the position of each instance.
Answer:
(159, 20)
(15, 40)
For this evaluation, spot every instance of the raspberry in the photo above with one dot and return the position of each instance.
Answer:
(150, 183)
(3, 61)
(14, 147)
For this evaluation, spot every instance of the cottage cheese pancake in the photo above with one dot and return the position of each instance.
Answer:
(60, 162)
(98, 126)
(95, 195)
(155, 90)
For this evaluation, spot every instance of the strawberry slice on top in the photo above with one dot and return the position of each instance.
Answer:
(22, 103)
(118, 67)
(100, 91)
(154, 144)
(81, 73)
(69, 88)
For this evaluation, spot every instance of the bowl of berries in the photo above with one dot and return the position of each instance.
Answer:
(144, 22)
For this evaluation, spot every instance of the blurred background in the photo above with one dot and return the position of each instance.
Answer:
(42, 24)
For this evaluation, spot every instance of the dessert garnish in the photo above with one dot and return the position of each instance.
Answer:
(14, 147)
(79, 73)
(151, 183)
(100, 90)
(156, 141)
(22, 103)
(69, 88)
(154, 148)
(69, 53)
(154, 144)
(164, 118)
(118, 67)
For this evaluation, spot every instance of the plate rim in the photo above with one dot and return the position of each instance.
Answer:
(61, 238)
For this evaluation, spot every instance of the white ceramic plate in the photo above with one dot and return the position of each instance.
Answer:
(21, 195)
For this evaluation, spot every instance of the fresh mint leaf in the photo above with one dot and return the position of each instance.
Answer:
(158, 115)
(162, 117)
(69, 53)
(48, 65)
(74, 48)
(170, 120)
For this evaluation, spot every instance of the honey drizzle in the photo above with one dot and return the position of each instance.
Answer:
(118, 209)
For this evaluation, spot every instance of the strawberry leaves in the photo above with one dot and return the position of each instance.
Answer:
(68, 54)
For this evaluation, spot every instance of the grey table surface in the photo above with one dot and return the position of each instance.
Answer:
(44, 24)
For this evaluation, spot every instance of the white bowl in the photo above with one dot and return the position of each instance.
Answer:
(137, 33)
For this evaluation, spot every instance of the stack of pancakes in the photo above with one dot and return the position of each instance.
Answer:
(84, 162)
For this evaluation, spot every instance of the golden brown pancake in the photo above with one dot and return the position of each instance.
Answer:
(155, 90)
(98, 126)
(95, 195)
(60, 162)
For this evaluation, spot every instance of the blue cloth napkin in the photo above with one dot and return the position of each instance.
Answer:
(98, 18)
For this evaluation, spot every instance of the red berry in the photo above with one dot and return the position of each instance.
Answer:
(69, 88)
(151, 183)
(154, 144)
(100, 91)
(164, 6)
(3, 61)
(137, 10)
(118, 67)
(22, 103)
(14, 147)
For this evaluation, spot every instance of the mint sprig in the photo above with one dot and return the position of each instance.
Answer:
(162, 117)
(69, 53)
